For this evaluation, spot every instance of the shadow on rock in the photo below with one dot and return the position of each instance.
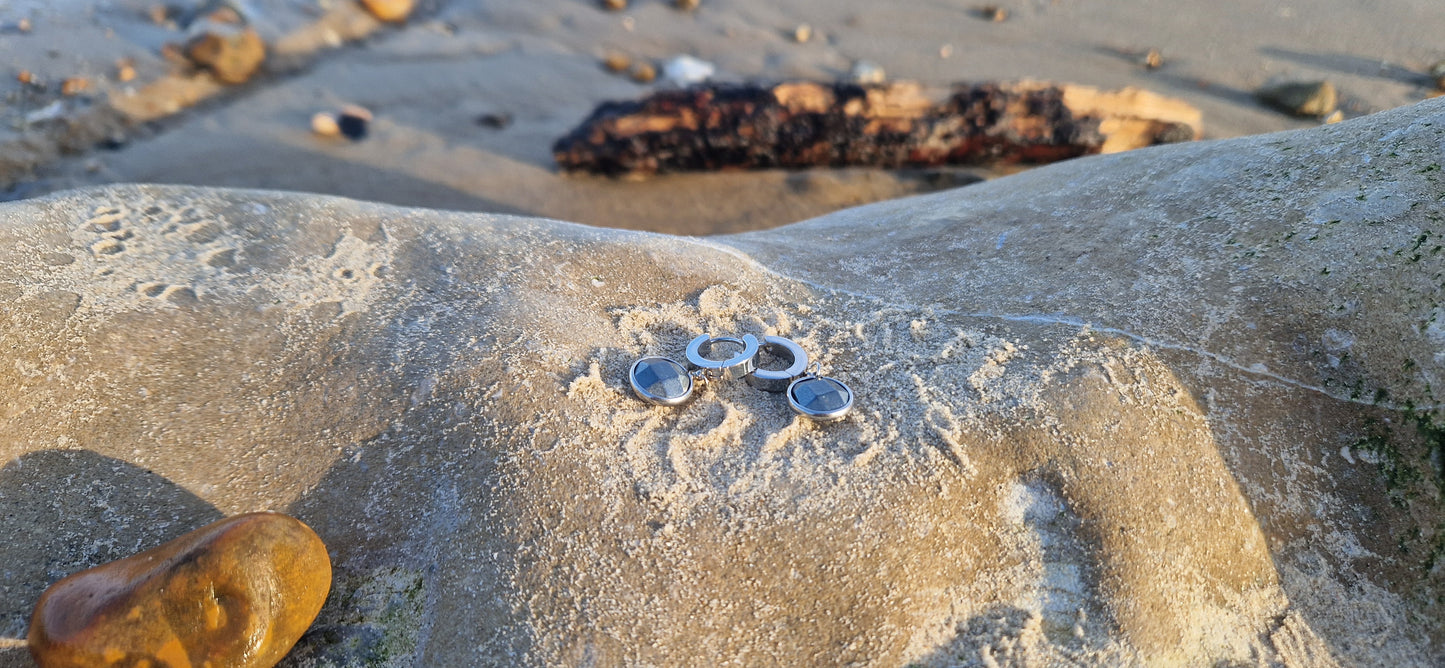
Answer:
(69, 510)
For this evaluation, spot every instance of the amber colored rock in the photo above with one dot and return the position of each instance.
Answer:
(232, 58)
(390, 10)
(236, 593)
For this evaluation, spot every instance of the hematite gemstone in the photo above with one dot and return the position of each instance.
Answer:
(821, 395)
(662, 378)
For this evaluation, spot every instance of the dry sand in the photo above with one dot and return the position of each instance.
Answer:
(538, 62)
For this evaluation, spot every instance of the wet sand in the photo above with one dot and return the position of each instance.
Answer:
(429, 81)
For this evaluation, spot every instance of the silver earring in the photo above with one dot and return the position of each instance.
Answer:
(810, 395)
(665, 382)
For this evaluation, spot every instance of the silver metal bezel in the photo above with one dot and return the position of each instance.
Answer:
(735, 367)
(770, 380)
(651, 398)
(820, 416)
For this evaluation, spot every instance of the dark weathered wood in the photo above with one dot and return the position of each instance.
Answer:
(899, 124)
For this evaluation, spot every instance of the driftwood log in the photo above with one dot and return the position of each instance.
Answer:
(806, 124)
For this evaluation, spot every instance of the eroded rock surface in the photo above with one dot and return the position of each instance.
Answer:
(1168, 406)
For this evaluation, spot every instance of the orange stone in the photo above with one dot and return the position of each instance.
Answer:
(390, 10)
(236, 593)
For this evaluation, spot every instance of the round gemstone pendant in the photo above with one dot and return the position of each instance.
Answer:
(821, 399)
(661, 381)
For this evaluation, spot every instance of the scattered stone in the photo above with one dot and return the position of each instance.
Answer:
(124, 70)
(49, 112)
(866, 72)
(392, 11)
(993, 13)
(1438, 71)
(614, 5)
(1300, 98)
(643, 73)
(686, 71)
(617, 62)
(496, 121)
(686, 5)
(29, 79)
(1153, 60)
(74, 86)
(802, 33)
(23, 25)
(945, 51)
(325, 125)
(239, 592)
(1334, 117)
(354, 122)
(231, 58)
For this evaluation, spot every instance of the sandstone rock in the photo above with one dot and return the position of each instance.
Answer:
(232, 56)
(1168, 406)
(238, 592)
(393, 11)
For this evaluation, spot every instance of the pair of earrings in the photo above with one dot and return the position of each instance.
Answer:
(665, 382)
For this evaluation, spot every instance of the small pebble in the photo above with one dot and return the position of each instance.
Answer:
(993, 13)
(1153, 60)
(1300, 98)
(354, 122)
(802, 33)
(497, 121)
(686, 5)
(945, 51)
(614, 5)
(232, 58)
(617, 62)
(74, 86)
(29, 78)
(865, 72)
(124, 70)
(238, 592)
(1334, 117)
(1438, 71)
(23, 25)
(643, 73)
(393, 11)
(686, 71)
(325, 125)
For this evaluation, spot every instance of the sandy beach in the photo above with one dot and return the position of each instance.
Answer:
(439, 83)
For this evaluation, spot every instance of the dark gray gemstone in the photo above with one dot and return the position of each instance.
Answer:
(661, 378)
(821, 395)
